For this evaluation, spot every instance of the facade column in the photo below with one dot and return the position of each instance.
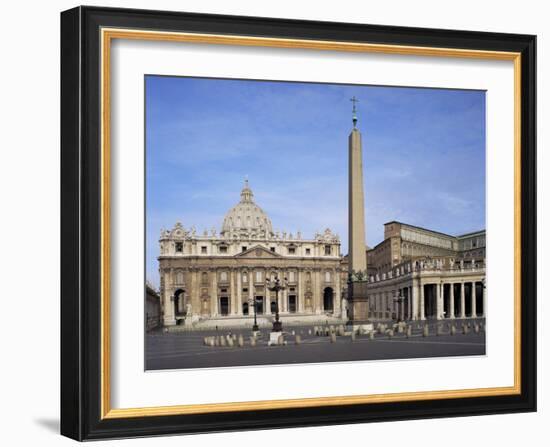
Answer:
(337, 293)
(474, 311)
(422, 310)
(251, 299)
(300, 292)
(316, 285)
(452, 301)
(214, 295)
(233, 293)
(239, 308)
(462, 301)
(267, 293)
(169, 311)
(402, 304)
(195, 295)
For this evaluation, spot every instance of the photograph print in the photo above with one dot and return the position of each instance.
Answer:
(293, 222)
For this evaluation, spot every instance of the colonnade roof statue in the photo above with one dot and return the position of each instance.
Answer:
(246, 216)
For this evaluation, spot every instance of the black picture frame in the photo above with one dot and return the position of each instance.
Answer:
(81, 390)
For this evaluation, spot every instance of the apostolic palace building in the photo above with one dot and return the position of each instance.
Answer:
(212, 279)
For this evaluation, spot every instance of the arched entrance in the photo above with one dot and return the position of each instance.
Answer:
(179, 304)
(328, 299)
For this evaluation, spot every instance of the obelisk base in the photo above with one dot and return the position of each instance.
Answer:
(358, 301)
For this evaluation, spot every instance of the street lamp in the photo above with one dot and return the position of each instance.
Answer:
(275, 285)
(252, 303)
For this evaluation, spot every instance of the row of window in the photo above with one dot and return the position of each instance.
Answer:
(259, 277)
(223, 249)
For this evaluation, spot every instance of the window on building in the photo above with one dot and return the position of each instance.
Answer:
(291, 250)
(223, 276)
(258, 276)
(327, 250)
(272, 249)
(245, 290)
(179, 247)
(179, 278)
(203, 249)
(291, 277)
(223, 290)
(245, 277)
(243, 248)
(204, 277)
(223, 249)
(308, 251)
(327, 276)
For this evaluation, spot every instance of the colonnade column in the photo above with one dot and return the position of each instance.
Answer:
(462, 301)
(474, 311)
(414, 301)
(409, 302)
(484, 290)
(452, 301)
(438, 300)
(422, 310)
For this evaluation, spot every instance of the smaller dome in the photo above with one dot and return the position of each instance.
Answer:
(246, 216)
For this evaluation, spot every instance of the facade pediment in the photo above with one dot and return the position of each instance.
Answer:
(257, 252)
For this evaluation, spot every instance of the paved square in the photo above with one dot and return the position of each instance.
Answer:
(179, 350)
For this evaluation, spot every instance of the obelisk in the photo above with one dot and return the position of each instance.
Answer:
(356, 201)
(357, 252)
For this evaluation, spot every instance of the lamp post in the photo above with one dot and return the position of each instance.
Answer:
(275, 285)
(255, 327)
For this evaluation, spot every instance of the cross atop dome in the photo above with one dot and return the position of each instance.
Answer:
(246, 193)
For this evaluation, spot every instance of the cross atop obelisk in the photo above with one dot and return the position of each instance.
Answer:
(354, 100)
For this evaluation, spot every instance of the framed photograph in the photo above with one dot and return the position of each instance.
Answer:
(274, 223)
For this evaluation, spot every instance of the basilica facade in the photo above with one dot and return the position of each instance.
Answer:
(212, 279)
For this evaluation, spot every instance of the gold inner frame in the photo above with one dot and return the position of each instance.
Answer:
(107, 35)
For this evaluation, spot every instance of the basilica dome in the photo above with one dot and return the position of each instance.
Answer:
(246, 217)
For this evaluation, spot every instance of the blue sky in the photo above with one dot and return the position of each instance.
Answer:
(423, 155)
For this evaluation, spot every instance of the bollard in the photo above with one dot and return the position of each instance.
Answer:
(371, 335)
(476, 328)
(293, 332)
(222, 341)
(298, 340)
(332, 338)
(438, 330)
(426, 331)
(309, 332)
(390, 334)
(464, 329)
(240, 341)
(453, 330)
(281, 340)
(352, 336)
(230, 342)
(409, 331)
(252, 341)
